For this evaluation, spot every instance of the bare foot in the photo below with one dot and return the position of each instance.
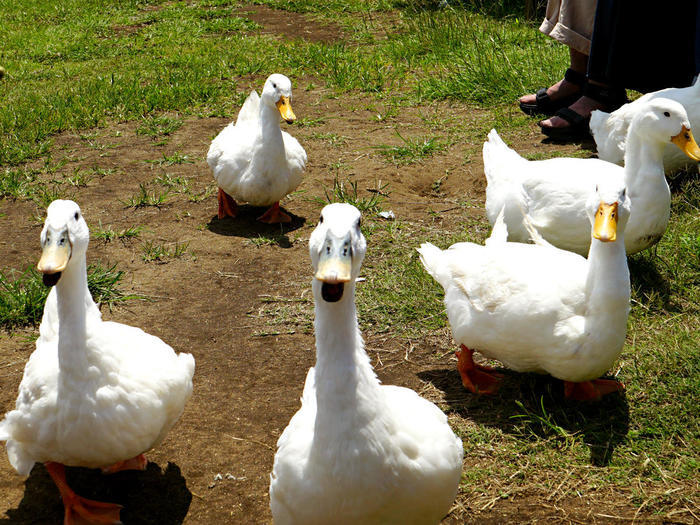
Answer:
(561, 89)
(584, 106)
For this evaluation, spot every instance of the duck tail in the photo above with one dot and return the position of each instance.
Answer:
(432, 260)
(187, 363)
(597, 123)
(498, 158)
(499, 232)
(504, 170)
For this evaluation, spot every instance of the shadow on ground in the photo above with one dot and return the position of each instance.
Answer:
(532, 405)
(246, 225)
(586, 143)
(649, 285)
(149, 497)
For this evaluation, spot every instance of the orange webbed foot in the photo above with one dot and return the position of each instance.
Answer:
(227, 206)
(79, 510)
(274, 215)
(137, 463)
(83, 511)
(591, 390)
(478, 379)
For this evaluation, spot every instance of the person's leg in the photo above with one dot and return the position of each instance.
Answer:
(600, 91)
(569, 22)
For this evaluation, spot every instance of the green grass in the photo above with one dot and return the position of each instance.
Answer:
(163, 252)
(145, 60)
(411, 150)
(155, 126)
(108, 234)
(22, 297)
(347, 192)
(146, 198)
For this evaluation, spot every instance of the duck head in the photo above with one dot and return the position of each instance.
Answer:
(667, 120)
(64, 239)
(608, 209)
(277, 92)
(337, 248)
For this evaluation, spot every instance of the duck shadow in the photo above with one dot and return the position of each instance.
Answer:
(246, 225)
(649, 286)
(150, 497)
(679, 181)
(586, 143)
(533, 407)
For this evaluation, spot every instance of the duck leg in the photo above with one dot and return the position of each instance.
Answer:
(137, 463)
(79, 510)
(227, 206)
(479, 379)
(591, 390)
(274, 215)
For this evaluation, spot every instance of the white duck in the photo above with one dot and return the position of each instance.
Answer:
(253, 160)
(610, 129)
(94, 393)
(552, 193)
(537, 308)
(357, 451)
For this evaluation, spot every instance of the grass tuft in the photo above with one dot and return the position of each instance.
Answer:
(347, 192)
(412, 150)
(161, 252)
(108, 234)
(22, 299)
(145, 198)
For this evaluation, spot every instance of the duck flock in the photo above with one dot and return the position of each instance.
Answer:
(548, 292)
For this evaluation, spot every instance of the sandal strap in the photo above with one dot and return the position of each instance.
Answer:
(611, 97)
(572, 117)
(575, 77)
(542, 98)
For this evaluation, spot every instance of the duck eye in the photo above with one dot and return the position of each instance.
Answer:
(274, 85)
(667, 114)
(76, 216)
(359, 222)
(320, 219)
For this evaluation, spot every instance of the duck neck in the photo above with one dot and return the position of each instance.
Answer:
(644, 167)
(647, 187)
(73, 298)
(346, 386)
(608, 293)
(270, 123)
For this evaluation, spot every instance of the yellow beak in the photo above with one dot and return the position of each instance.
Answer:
(56, 253)
(285, 108)
(605, 225)
(686, 142)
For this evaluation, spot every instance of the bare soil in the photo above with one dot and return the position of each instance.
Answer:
(248, 378)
